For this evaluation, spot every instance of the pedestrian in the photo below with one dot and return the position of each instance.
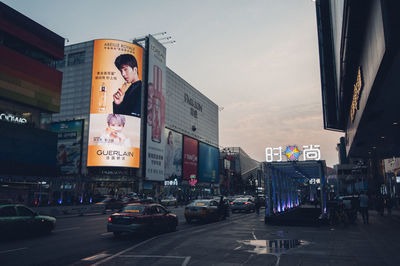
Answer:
(364, 207)
(389, 205)
(257, 205)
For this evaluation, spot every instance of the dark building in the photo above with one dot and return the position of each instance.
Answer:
(29, 85)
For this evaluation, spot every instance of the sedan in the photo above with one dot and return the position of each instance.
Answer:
(242, 204)
(168, 201)
(17, 219)
(204, 210)
(111, 203)
(142, 218)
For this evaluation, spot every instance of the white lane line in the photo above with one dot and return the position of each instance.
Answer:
(124, 251)
(152, 256)
(186, 261)
(106, 234)
(238, 247)
(12, 250)
(96, 257)
(66, 229)
(255, 238)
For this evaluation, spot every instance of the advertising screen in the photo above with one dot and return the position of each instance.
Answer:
(156, 111)
(115, 109)
(190, 153)
(69, 145)
(173, 155)
(208, 163)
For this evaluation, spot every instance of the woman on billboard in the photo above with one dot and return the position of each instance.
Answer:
(127, 99)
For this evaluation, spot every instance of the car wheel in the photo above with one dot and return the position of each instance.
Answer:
(172, 228)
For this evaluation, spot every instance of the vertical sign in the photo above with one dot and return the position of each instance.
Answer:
(190, 157)
(155, 141)
(208, 163)
(173, 155)
(69, 145)
(115, 109)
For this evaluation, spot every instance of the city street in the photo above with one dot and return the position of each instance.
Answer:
(242, 239)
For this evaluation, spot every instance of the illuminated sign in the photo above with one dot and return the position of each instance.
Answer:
(115, 109)
(355, 104)
(13, 119)
(193, 180)
(293, 153)
(171, 182)
(314, 181)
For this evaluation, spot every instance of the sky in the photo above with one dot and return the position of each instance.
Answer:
(257, 60)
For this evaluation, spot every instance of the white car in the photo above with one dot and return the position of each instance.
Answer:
(168, 201)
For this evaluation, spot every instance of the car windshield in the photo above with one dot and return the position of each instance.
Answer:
(134, 209)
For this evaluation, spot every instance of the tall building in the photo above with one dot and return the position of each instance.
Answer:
(172, 135)
(29, 86)
(359, 62)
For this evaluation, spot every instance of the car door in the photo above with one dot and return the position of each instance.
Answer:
(157, 218)
(28, 219)
(8, 220)
(165, 220)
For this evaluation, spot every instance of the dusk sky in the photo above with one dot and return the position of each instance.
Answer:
(257, 60)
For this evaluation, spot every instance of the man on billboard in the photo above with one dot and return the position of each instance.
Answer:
(127, 99)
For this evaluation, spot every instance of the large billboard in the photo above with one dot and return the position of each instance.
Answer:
(173, 155)
(190, 157)
(208, 163)
(115, 109)
(69, 145)
(155, 111)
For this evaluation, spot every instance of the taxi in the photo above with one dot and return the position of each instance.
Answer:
(204, 210)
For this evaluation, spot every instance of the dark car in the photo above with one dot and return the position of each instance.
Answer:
(17, 219)
(142, 218)
(111, 204)
(242, 204)
(204, 210)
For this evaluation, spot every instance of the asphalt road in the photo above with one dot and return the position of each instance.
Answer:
(242, 239)
(74, 240)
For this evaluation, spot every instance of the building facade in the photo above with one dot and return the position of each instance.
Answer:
(359, 62)
(29, 86)
(172, 113)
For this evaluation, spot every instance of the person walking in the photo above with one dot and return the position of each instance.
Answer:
(257, 205)
(364, 207)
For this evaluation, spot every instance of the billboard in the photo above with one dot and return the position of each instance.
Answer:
(69, 145)
(155, 111)
(208, 163)
(190, 157)
(115, 108)
(172, 155)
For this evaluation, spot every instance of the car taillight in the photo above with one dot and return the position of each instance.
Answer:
(109, 219)
(246, 203)
(232, 203)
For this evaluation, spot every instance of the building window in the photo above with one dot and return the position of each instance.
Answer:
(76, 58)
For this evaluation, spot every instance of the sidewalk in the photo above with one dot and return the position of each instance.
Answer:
(70, 211)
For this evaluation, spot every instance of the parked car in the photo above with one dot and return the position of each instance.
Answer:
(168, 201)
(204, 210)
(142, 218)
(242, 204)
(18, 219)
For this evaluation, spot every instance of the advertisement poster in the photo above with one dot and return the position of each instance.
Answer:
(115, 109)
(208, 163)
(190, 153)
(69, 145)
(173, 155)
(156, 111)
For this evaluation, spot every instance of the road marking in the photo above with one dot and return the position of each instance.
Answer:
(96, 257)
(255, 238)
(124, 251)
(106, 234)
(12, 250)
(152, 256)
(186, 261)
(66, 229)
